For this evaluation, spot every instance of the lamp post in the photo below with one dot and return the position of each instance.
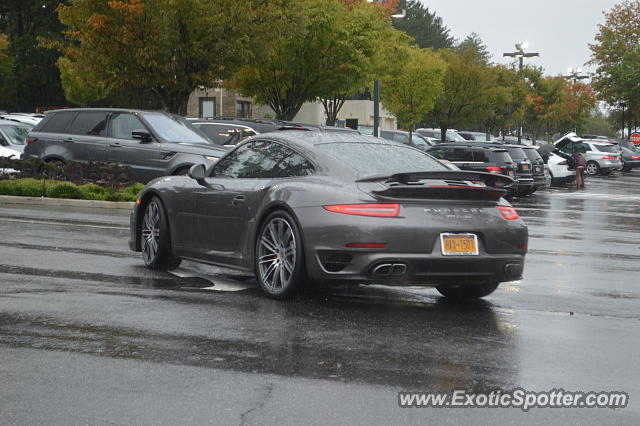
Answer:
(573, 75)
(520, 53)
(400, 13)
(623, 105)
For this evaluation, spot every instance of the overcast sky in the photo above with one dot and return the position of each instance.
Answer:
(559, 30)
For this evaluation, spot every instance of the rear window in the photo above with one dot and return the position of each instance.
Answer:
(533, 155)
(518, 154)
(500, 157)
(605, 148)
(58, 123)
(380, 159)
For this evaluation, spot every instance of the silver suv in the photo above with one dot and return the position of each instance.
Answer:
(602, 157)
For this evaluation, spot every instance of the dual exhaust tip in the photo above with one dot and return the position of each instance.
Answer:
(390, 270)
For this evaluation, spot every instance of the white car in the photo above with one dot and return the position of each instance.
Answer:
(602, 157)
(31, 120)
(557, 164)
(9, 153)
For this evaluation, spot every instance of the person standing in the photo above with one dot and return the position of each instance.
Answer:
(580, 164)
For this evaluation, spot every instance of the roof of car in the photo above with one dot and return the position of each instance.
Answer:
(104, 109)
(473, 144)
(321, 136)
(13, 123)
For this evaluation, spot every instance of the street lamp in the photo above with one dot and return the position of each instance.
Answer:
(573, 75)
(520, 53)
(623, 105)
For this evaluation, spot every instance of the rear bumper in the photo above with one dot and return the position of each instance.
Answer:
(525, 185)
(631, 165)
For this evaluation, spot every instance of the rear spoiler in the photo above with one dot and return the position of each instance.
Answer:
(490, 179)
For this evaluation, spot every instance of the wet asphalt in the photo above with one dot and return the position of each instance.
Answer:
(88, 335)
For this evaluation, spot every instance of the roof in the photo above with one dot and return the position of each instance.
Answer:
(474, 144)
(104, 109)
(321, 136)
(14, 123)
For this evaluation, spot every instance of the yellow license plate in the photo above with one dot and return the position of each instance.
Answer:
(525, 167)
(459, 244)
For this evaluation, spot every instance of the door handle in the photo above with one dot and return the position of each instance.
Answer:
(68, 140)
(115, 145)
(239, 199)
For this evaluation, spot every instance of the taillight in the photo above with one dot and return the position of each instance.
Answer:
(494, 170)
(376, 210)
(509, 213)
(29, 140)
(635, 157)
(608, 157)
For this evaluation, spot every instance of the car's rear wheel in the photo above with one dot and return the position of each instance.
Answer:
(279, 256)
(592, 168)
(155, 238)
(467, 291)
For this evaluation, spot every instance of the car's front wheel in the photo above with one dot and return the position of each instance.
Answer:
(155, 238)
(467, 291)
(279, 256)
(592, 168)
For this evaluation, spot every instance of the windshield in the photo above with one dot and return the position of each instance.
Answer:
(368, 159)
(605, 148)
(420, 141)
(517, 154)
(533, 155)
(16, 134)
(174, 129)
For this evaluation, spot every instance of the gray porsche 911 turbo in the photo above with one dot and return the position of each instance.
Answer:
(302, 207)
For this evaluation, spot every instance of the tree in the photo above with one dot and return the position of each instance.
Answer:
(4, 43)
(598, 124)
(510, 100)
(469, 92)
(615, 54)
(164, 47)
(475, 43)
(323, 50)
(412, 85)
(425, 27)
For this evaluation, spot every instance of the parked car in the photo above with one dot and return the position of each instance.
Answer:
(541, 177)
(524, 169)
(419, 142)
(13, 135)
(630, 159)
(8, 153)
(477, 157)
(30, 119)
(152, 143)
(229, 131)
(452, 136)
(477, 136)
(602, 157)
(318, 207)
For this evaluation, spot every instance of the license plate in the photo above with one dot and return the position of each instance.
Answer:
(459, 244)
(525, 167)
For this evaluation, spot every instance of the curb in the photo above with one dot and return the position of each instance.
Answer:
(65, 202)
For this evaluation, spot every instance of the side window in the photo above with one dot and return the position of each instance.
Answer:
(262, 159)
(437, 153)
(122, 124)
(222, 134)
(58, 123)
(479, 156)
(90, 123)
(459, 154)
(399, 137)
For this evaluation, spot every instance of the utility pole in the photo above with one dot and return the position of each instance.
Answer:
(520, 54)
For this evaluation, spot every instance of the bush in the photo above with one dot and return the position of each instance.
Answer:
(9, 187)
(30, 187)
(64, 190)
(91, 191)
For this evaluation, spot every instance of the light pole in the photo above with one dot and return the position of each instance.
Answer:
(400, 13)
(573, 75)
(520, 53)
(623, 105)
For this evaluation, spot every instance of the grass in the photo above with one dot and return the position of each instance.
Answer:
(29, 187)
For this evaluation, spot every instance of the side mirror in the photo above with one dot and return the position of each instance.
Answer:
(142, 135)
(197, 172)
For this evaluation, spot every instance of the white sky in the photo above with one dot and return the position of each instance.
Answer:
(559, 30)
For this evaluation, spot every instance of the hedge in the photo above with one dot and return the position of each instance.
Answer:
(29, 187)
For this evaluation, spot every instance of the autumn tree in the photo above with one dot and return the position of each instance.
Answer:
(509, 100)
(615, 54)
(468, 94)
(323, 48)
(169, 47)
(412, 84)
(424, 26)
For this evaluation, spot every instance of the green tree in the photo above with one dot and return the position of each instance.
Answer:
(425, 27)
(469, 92)
(166, 48)
(323, 49)
(615, 55)
(598, 124)
(412, 85)
(474, 42)
(510, 100)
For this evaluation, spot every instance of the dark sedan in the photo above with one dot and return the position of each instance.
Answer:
(630, 159)
(301, 207)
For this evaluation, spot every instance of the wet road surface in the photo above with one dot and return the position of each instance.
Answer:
(88, 335)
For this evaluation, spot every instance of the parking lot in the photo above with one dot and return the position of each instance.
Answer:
(89, 335)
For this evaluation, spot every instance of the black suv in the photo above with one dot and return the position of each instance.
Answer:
(152, 143)
(540, 178)
(482, 157)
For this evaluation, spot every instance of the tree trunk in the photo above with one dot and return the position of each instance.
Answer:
(332, 107)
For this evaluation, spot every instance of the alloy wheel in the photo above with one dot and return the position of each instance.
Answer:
(151, 232)
(592, 169)
(277, 254)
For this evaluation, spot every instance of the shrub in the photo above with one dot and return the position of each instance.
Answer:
(91, 191)
(30, 187)
(64, 190)
(9, 187)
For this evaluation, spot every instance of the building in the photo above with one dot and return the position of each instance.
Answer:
(207, 103)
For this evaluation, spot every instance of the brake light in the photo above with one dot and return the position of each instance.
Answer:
(375, 210)
(635, 157)
(509, 213)
(29, 140)
(494, 170)
(366, 245)
(608, 157)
